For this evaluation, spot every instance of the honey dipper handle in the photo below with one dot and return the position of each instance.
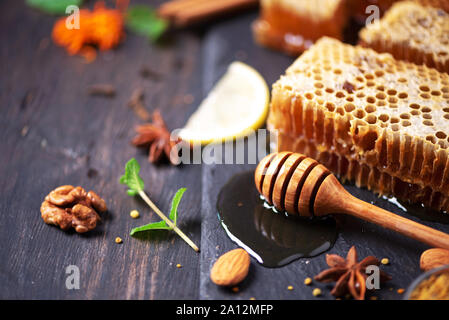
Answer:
(386, 219)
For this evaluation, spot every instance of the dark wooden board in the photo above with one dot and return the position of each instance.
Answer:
(74, 138)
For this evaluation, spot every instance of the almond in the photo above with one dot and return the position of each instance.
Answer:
(434, 258)
(231, 268)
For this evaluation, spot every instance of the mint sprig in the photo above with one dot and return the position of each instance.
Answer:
(162, 225)
(56, 7)
(135, 183)
(131, 178)
(143, 20)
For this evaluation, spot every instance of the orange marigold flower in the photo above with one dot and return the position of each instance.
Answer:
(102, 27)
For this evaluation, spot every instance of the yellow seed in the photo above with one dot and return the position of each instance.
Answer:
(316, 292)
(252, 298)
(134, 214)
(178, 265)
(401, 291)
(373, 298)
(118, 240)
(385, 261)
(307, 281)
(290, 288)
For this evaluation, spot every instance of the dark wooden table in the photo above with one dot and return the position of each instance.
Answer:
(53, 133)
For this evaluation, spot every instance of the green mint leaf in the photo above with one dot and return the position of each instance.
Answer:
(174, 205)
(56, 7)
(161, 225)
(143, 20)
(131, 177)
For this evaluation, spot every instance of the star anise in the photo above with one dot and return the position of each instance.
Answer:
(349, 275)
(156, 136)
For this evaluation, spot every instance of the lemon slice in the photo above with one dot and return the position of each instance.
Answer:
(237, 105)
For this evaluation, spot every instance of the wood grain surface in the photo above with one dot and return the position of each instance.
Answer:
(53, 132)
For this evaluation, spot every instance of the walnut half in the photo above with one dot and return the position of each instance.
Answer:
(72, 207)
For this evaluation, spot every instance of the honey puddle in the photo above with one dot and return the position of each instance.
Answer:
(271, 237)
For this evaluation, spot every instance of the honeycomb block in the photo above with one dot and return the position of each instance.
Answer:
(412, 32)
(293, 25)
(386, 115)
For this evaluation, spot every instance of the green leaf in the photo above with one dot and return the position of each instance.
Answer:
(161, 225)
(131, 177)
(174, 205)
(143, 20)
(57, 7)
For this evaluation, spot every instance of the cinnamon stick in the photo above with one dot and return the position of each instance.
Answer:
(170, 9)
(183, 13)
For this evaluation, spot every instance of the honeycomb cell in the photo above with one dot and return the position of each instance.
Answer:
(440, 135)
(330, 106)
(381, 95)
(431, 139)
(395, 127)
(340, 94)
(371, 100)
(370, 108)
(309, 96)
(371, 119)
(424, 88)
(394, 120)
(435, 93)
(392, 92)
(393, 100)
(359, 114)
(406, 123)
(384, 117)
(379, 73)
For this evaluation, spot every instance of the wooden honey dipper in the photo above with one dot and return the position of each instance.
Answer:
(301, 186)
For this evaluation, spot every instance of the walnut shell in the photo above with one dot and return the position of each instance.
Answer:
(72, 207)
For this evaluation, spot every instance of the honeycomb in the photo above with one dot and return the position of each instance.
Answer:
(293, 25)
(412, 32)
(387, 116)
